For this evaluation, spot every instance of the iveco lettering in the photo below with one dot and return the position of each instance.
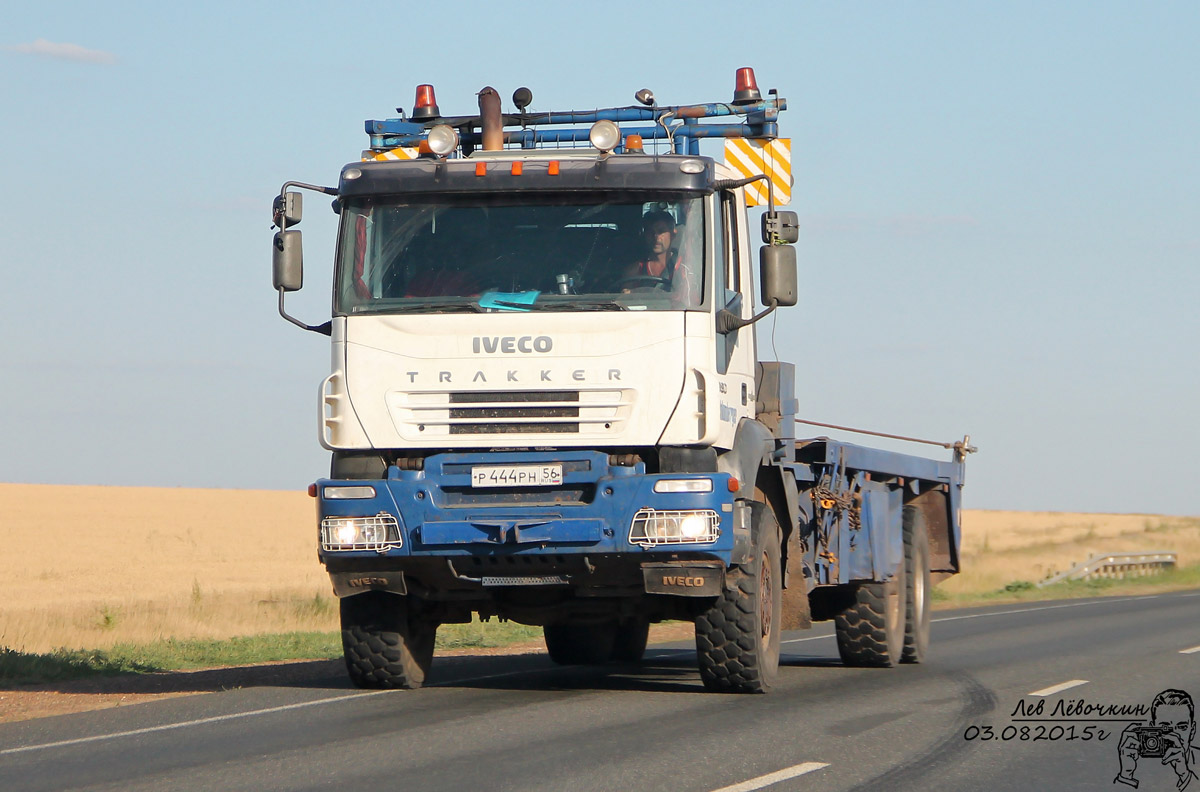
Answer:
(510, 344)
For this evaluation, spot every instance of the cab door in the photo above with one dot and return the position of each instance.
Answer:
(733, 290)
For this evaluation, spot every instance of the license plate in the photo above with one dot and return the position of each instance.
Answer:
(516, 476)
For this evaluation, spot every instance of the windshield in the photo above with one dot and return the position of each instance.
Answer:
(592, 251)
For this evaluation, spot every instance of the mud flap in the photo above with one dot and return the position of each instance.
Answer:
(683, 581)
(347, 584)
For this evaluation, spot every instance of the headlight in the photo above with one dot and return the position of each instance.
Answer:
(653, 527)
(379, 533)
(684, 485)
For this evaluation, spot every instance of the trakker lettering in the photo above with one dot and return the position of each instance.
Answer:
(487, 345)
(515, 375)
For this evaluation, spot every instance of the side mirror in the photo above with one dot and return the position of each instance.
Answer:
(777, 273)
(287, 209)
(784, 225)
(287, 261)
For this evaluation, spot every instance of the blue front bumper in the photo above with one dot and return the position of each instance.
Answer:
(439, 514)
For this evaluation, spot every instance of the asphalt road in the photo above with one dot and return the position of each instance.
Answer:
(523, 724)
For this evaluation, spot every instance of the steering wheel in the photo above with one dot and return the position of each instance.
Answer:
(643, 281)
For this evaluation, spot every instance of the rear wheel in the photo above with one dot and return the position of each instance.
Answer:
(737, 639)
(384, 643)
(870, 628)
(629, 643)
(580, 644)
(916, 593)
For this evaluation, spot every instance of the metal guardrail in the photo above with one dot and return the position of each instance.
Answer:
(1116, 565)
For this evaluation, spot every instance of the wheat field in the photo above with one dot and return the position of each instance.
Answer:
(90, 567)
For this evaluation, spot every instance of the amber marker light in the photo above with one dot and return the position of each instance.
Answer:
(734, 484)
(746, 89)
(516, 169)
(552, 168)
(425, 106)
(481, 169)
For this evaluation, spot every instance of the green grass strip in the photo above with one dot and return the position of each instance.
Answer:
(172, 654)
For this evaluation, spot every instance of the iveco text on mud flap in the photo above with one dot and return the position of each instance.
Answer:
(546, 401)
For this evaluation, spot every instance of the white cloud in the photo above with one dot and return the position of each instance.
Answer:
(71, 52)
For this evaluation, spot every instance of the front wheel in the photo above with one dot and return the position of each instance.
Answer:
(385, 645)
(737, 638)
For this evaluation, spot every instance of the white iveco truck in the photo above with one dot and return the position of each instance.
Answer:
(547, 404)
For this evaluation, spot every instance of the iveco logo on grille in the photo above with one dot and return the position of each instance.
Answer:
(511, 344)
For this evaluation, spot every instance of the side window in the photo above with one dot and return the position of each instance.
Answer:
(719, 268)
(733, 258)
(727, 272)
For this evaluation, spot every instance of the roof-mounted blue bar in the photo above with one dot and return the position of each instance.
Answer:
(679, 123)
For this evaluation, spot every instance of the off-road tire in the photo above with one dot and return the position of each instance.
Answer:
(580, 644)
(916, 593)
(870, 627)
(737, 638)
(629, 644)
(384, 645)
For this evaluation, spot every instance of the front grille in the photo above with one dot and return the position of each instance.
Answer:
(476, 413)
(568, 495)
(491, 406)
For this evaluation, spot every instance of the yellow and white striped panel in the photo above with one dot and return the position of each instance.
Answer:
(750, 157)
(402, 153)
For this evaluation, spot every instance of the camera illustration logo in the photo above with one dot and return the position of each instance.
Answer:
(1168, 738)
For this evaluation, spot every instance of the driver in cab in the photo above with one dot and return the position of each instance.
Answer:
(657, 267)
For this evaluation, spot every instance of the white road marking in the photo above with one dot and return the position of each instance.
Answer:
(1045, 607)
(1018, 610)
(1193, 650)
(774, 778)
(809, 638)
(182, 724)
(237, 715)
(1050, 691)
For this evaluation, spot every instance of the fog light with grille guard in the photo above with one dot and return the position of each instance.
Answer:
(652, 527)
(379, 533)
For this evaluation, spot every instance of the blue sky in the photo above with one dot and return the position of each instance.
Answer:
(999, 202)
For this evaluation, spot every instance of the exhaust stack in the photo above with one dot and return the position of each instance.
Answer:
(489, 115)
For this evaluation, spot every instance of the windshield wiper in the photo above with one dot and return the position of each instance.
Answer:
(572, 305)
(442, 307)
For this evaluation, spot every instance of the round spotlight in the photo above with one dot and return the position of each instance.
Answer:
(605, 135)
(693, 526)
(347, 532)
(442, 140)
